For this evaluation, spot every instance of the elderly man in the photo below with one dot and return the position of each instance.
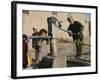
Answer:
(76, 28)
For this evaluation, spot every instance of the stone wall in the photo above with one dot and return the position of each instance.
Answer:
(38, 19)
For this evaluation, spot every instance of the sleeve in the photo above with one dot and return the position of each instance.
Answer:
(81, 27)
(69, 28)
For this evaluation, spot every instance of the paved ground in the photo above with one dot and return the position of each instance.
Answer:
(67, 51)
(65, 55)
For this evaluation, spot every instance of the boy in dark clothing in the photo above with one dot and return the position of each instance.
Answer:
(25, 50)
(35, 42)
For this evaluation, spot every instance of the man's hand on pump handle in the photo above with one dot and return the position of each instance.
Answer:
(70, 33)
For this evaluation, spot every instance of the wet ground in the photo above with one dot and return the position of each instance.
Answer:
(66, 55)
